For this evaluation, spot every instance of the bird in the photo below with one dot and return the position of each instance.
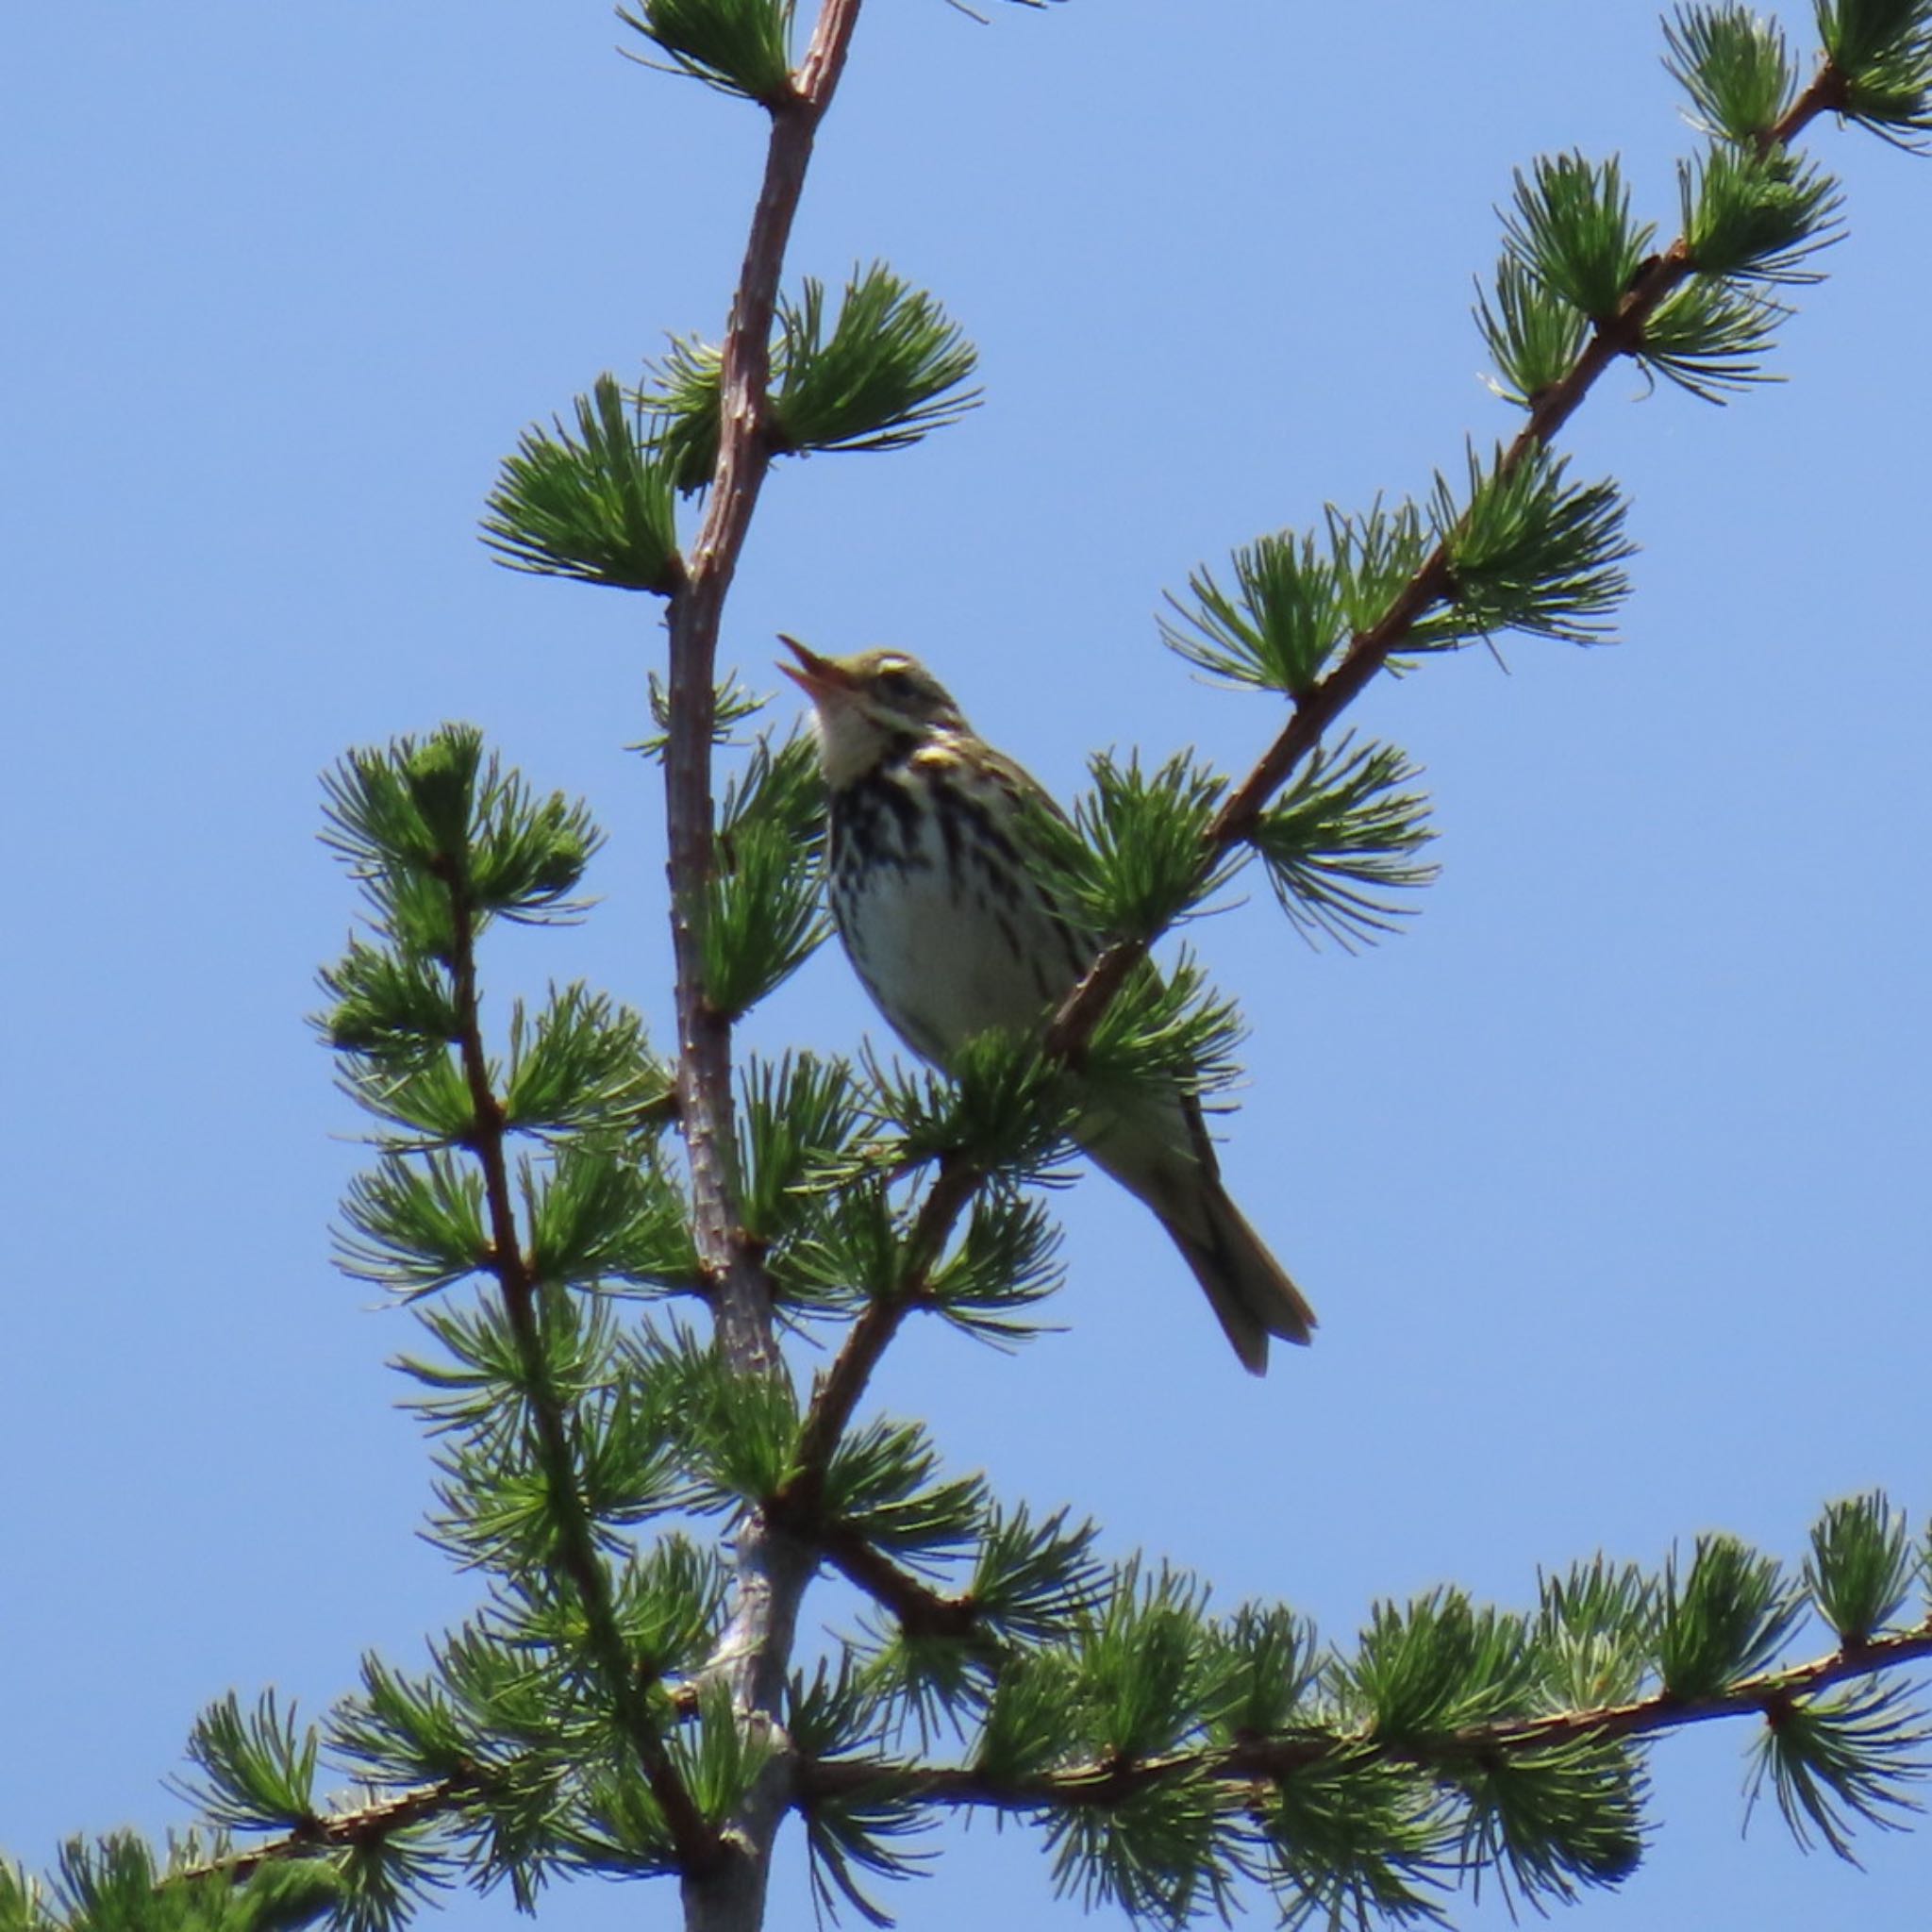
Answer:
(950, 919)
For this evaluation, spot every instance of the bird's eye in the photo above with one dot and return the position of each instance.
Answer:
(897, 681)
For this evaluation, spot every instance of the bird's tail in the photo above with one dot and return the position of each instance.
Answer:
(1163, 1155)
(1246, 1287)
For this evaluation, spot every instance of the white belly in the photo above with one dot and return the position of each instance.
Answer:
(950, 940)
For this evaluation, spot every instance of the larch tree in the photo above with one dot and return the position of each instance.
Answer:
(619, 1246)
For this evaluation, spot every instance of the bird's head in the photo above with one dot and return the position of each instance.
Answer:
(862, 703)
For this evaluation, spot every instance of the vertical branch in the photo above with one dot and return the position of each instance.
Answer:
(741, 1295)
(770, 1571)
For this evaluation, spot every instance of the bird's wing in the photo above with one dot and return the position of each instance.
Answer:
(1040, 806)
(1024, 786)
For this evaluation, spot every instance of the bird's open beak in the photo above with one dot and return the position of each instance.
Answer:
(817, 676)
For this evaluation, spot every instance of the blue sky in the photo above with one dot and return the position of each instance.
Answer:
(1608, 1177)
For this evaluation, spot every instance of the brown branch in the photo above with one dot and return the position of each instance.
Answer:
(382, 1818)
(769, 1574)
(697, 1846)
(364, 1824)
(1273, 1759)
(918, 1609)
(1369, 651)
(794, 1512)
(742, 1295)
(838, 1389)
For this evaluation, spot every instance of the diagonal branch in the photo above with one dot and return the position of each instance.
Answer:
(915, 1605)
(360, 1825)
(838, 1389)
(1432, 584)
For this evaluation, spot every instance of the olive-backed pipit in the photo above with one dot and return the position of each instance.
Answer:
(954, 929)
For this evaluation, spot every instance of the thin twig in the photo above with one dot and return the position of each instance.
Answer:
(917, 1607)
(362, 1824)
(919, 1610)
